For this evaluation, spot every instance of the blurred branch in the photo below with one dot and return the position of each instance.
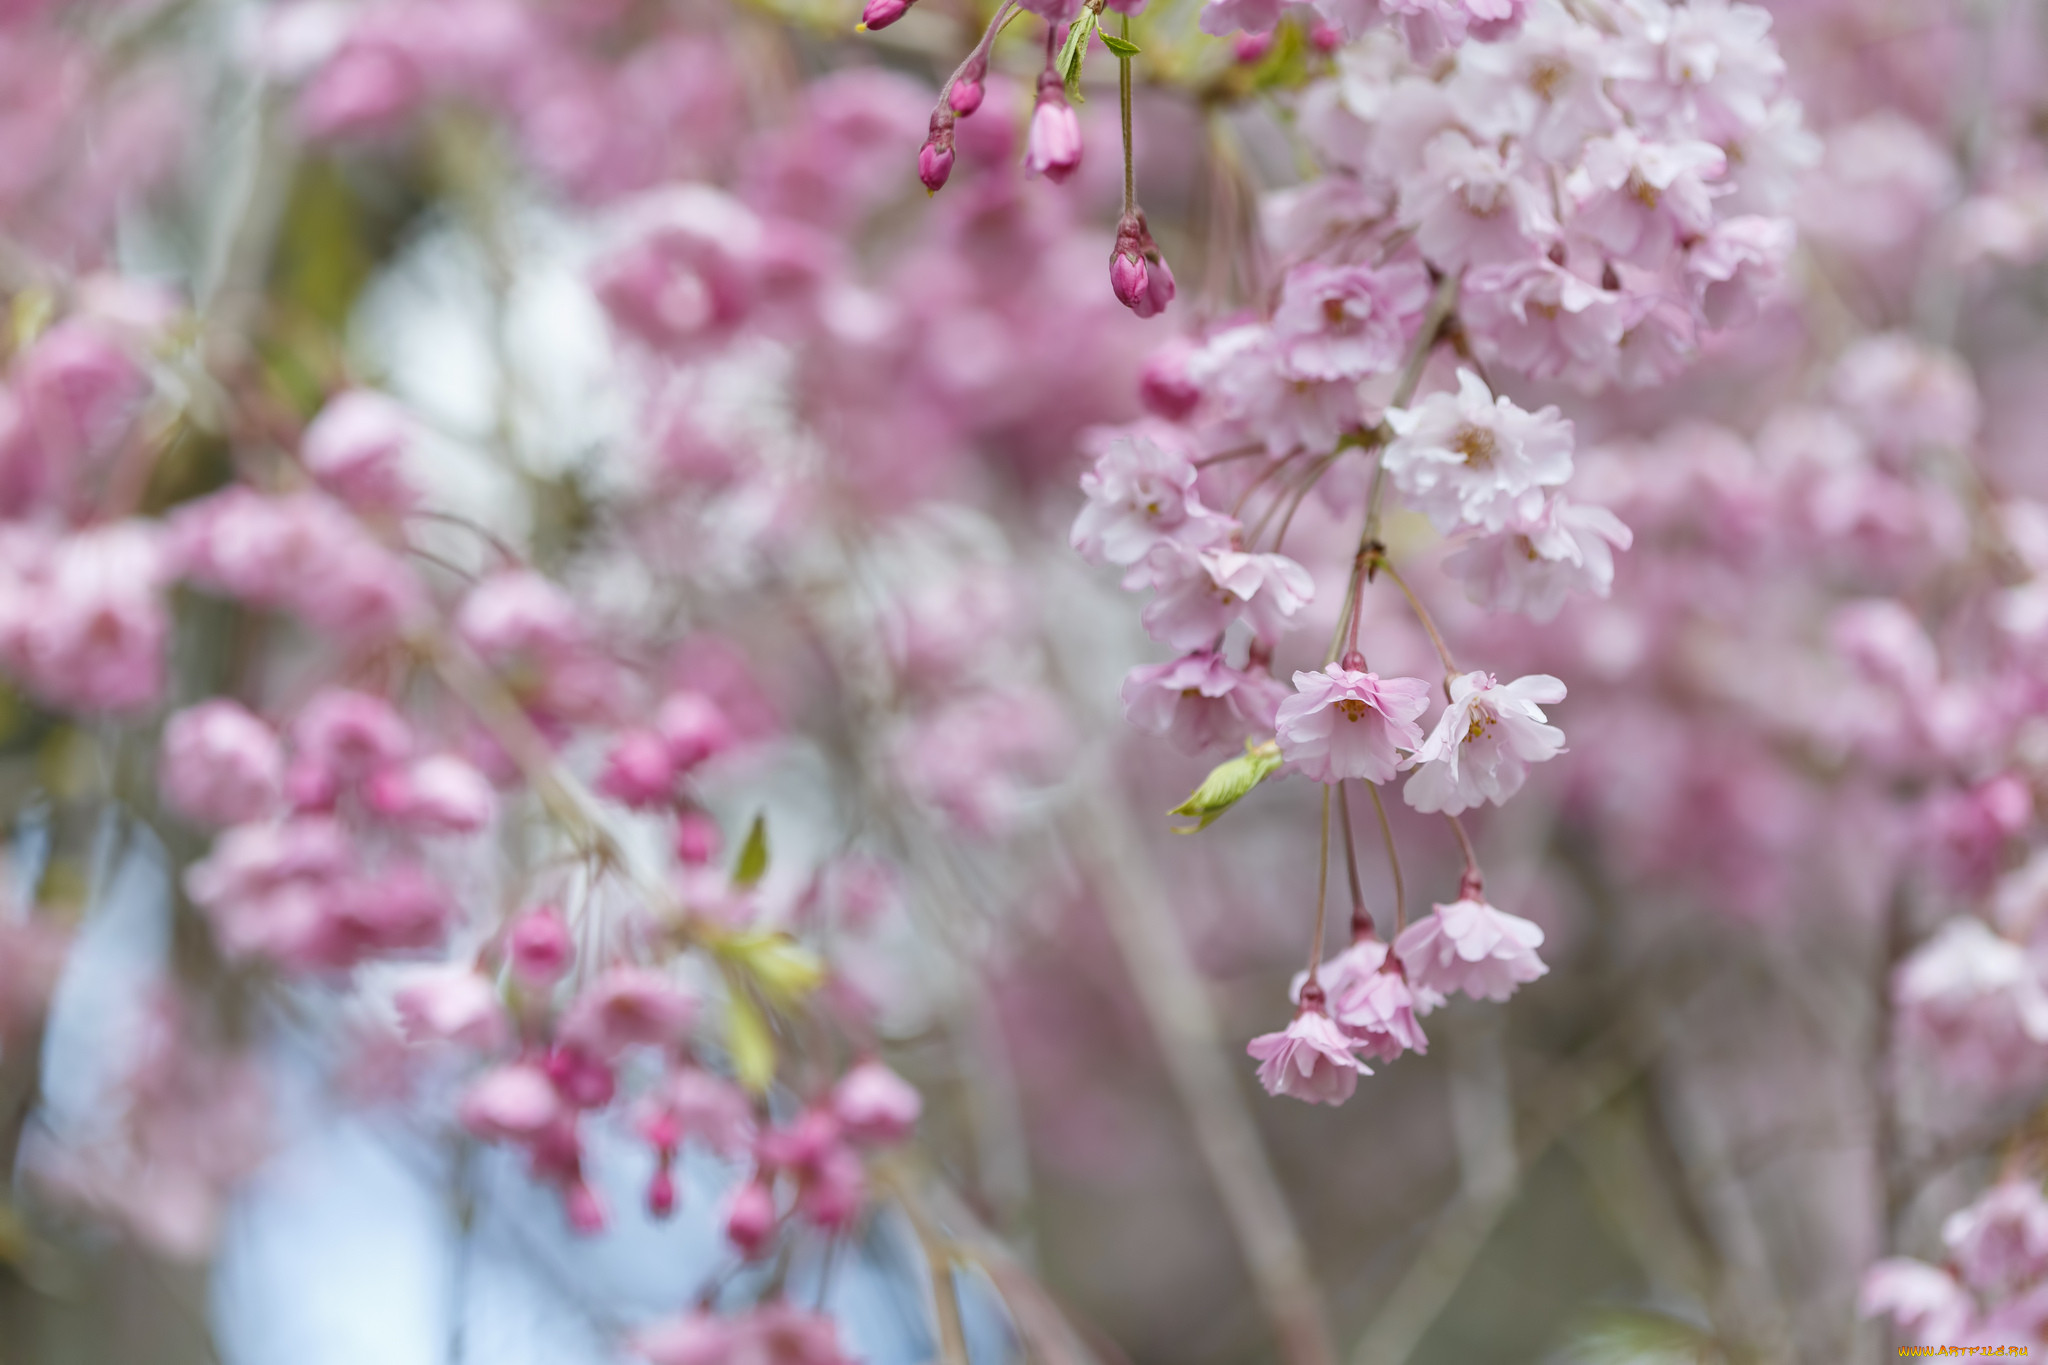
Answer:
(1573, 1092)
(1176, 1003)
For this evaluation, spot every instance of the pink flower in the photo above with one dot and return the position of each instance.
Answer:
(1475, 205)
(356, 447)
(1738, 266)
(1927, 1305)
(1199, 701)
(221, 765)
(266, 889)
(874, 1104)
(1055, 145)
(79, 390)
(1906, 397)
(697, 1338)
(694, 728)
(1222, 17)
(510, 1103)
(1343, 723)
(1976, 999)
(1376, 1010)
(453, 1005)
(1539, 318)
(441, 794)
(628, 1006)
(1310, 1060)
(1139, 494)
(1470, 459)
(1469, 946)
(689, 280)
(2000, 1242)
(639, 771)
(342, 739)
(539, 947)
(535, 636)
(1347, 322)
(1534, 563)
(694, 1103)
(1201, 595)
(1483, 742)
(85, 630)
(1639, 198)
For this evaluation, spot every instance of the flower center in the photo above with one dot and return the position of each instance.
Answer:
(1482, 721)
(1545, 77)
(1475, 446)
(1353, 708)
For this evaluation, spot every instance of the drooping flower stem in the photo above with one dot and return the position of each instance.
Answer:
(1315, 947)
(1361, 918)
(1443, 651)
(1123, 82)
(1471, 881)
(1379, 808)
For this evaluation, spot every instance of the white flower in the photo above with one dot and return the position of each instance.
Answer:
(1533, 563)
(1468, 458)
(1484, 742)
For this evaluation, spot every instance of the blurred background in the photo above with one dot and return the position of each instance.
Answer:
(678, 383)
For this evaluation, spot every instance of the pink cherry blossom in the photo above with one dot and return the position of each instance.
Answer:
(1342, 723)
(1483, 742)
(1199, 701)
(874, 1104)
(1976, 999)
(539, 946)
(1200, 596)
(1055, 144)
(1470, 946)
(1926, 1303)
(356, 448)
(1139, 494)
(453, 1005)
(1533, 564)
(1310, 1060)
(510, 1103)
(221, 765)
(628, 1006)
(1347, 322)
(1470, 459)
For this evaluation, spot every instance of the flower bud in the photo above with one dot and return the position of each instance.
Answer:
(750, 1220)
(964, 95)
(1127, 279)
(1249, 47)
(935, 158)
(661, 1193)
(696, 838)
(1158, 288)
(1055, 146)
(539, 947)
(882, 13)
(584, 1208)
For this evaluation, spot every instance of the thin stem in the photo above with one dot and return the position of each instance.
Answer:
(1315, 477)
(1443, 651)
(1361, 918)
(1229, 455)
(979, 52)
(1315, 947)
(1440, 306)
(1123, 82)
(1465, 847)
(1268, 472)
(1379, 808)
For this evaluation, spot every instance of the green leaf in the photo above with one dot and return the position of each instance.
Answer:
(784, 969)
(748, 1040)
(1122, 47)
(753, 863)
(1227, 784)
(1075, 51)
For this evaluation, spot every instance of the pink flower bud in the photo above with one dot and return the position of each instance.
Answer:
(1326, 36)
(582, 1079)
(1054, 149)
(831, 1194)
(935, 158)
(661, 1193)
(696, 838)
(694, 728)
(1158, 288)
(882, 13)
(584, 1209)
(874, 1104)
(638, 771)
(1127, 280)
(750, 1219)
(540, 947)
(934, 165)
(964, 96)
(1249, 47)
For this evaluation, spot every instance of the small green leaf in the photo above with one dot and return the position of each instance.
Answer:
(748, 1040)
(784, 969)
(1122, 47)
(1227, 784)
(1075, 52)
(753, 863)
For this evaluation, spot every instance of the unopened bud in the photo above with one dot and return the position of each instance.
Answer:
(1249, 47)
(935, 158)
(1054, 149)
(964, 95)
(882, 13)
(1326, 36)
(1127, 279)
